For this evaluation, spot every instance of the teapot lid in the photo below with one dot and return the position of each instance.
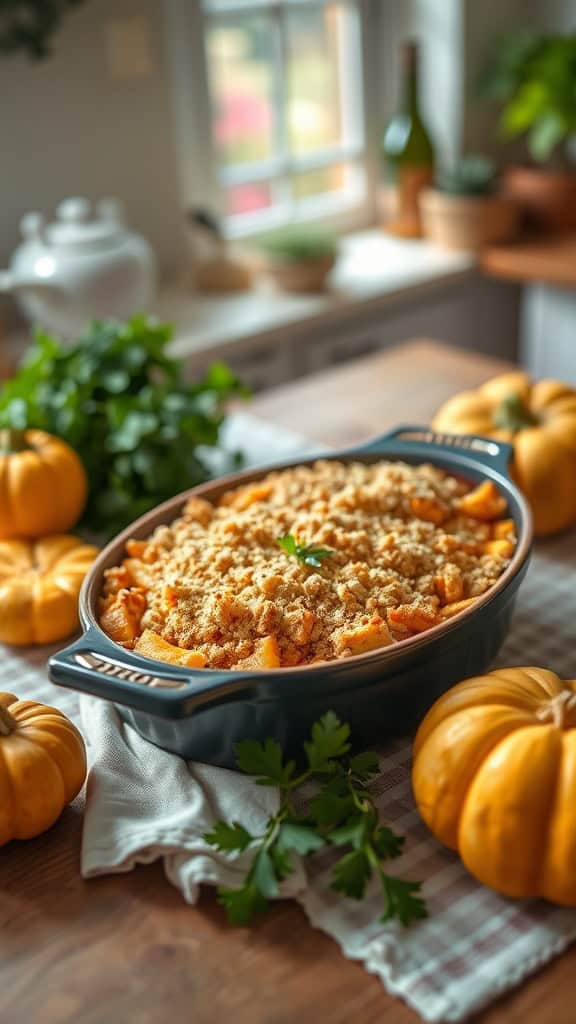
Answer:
(76, 226)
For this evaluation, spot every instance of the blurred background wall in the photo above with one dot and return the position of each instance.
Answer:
(86, 122)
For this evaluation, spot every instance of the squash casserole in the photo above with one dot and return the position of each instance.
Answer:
(309, 564)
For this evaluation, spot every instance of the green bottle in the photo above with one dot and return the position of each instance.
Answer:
(408, 151)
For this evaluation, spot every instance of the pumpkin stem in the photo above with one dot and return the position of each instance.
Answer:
(7, 722)
(558, 710)
(12, 441)
(513, 414)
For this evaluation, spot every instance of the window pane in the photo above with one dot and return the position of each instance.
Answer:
(240, 62)
(315, 118)
(319, 182)
(248, 198)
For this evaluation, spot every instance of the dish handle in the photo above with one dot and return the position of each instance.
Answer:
(486, 451)
(96, 666)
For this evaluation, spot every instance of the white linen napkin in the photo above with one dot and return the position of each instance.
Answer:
(143, 803)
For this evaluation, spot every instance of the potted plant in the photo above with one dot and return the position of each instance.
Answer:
(534, 77)
(465, 210)
(299, 259)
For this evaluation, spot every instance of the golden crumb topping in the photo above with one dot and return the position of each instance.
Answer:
(312, 563)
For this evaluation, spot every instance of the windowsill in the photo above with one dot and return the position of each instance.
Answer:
(374, 269)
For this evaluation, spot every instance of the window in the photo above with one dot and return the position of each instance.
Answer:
(286, 104)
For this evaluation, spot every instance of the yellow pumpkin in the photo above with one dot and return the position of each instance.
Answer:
(539, 419)
(39, 586)
(42, 484)
(42, 767)
(494, 777)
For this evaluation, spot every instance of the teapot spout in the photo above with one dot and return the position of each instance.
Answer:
(10, 283)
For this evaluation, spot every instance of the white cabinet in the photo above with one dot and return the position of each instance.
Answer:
(549, 332)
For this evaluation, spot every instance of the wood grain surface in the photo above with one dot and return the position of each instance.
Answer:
(126, 949)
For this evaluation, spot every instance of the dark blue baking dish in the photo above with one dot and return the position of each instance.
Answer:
(202, 713)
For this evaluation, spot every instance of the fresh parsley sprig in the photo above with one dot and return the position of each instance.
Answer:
(307, 554)
(342, 814)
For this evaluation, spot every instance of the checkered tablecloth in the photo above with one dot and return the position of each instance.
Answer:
(474, 945)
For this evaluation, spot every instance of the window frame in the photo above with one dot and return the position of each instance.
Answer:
(201, 181)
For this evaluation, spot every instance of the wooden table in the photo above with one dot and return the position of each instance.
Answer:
(126, 949)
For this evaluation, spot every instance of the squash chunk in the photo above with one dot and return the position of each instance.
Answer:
(504, 548)
(458, 606)
(428, 509)
(266, 654)
(484, 502)
(504, 529)
(121, 617)
(246, 496)
(151, 645)
(366, 638)
(449, 584)
(416, 620)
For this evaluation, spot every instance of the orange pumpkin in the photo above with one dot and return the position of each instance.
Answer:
(39, 586)
(539, 420)
(494, 777)
(42, 766)
(42, 484)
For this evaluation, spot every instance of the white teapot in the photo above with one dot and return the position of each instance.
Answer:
(80, 268)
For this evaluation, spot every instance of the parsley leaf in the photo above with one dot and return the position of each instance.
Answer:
(228, 838)
(302, 839)
(387, 844)
(365, 765)
(343, 814)
(351, 873)
(242, 904)
(329, 740)
(403, 901)
(307, 554)
(330, 808)
(263, 874)
(265, 761)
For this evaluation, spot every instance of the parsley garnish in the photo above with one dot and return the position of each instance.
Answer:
(342, 814)
(307, 554)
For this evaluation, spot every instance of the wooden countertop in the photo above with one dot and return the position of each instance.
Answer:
(126, 948)
(551, 260)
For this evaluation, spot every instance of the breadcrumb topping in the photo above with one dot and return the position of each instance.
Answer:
(407, 547)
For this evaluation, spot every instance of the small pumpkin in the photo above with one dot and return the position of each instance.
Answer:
(539, 419)
(42, 484)
(42, 767)
(39, 586)
(494, 777)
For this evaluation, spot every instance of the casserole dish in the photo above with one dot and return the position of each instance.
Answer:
(202, 713)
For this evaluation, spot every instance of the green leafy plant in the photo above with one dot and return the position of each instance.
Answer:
(27, 26)
(534, 76)
(122, 403)
(342, 814)
(307, 554)
(299, 245)
(471, 176)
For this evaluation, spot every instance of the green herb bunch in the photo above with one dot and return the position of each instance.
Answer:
(342, 814)
(122, 403)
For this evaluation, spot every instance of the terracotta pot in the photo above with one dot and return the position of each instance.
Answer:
(467, 222)
(547, 196)
(307, 276)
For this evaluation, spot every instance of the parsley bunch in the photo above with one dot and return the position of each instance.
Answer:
(119, 399)
(342, 814)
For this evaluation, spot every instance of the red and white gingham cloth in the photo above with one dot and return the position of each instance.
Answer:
(474, 945)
